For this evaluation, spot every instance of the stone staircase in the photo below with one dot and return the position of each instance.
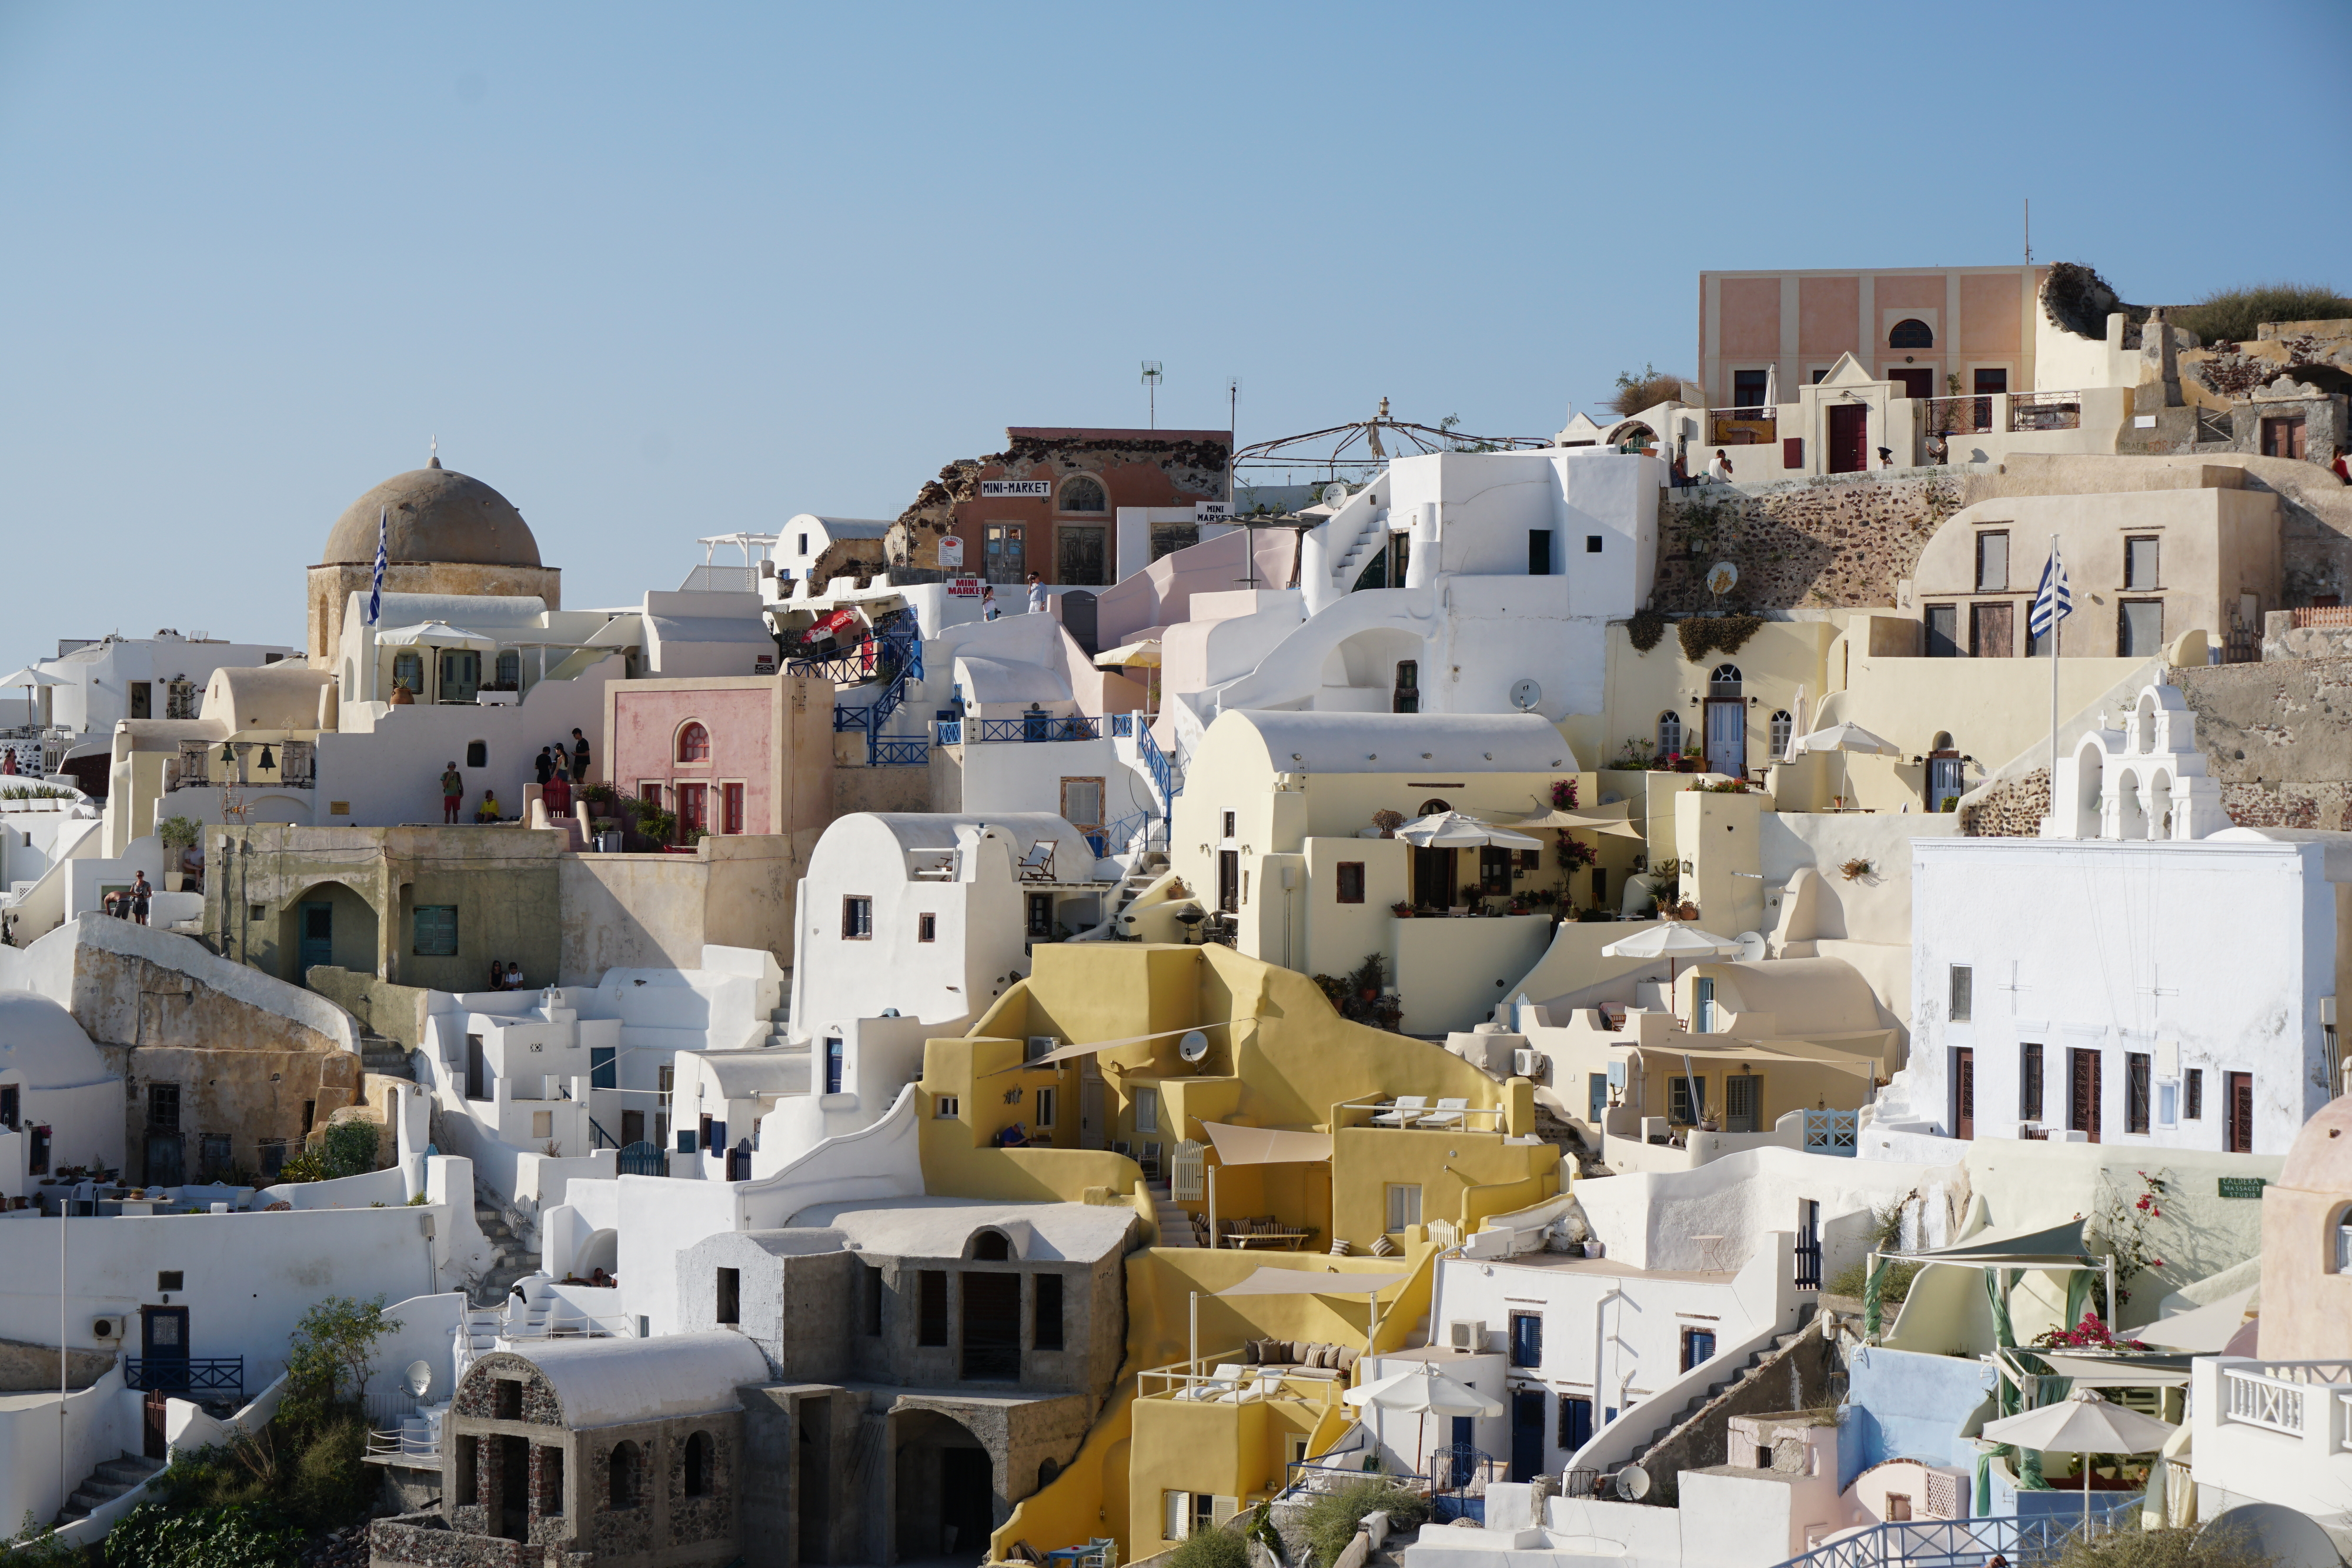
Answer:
(1682, 1440)
(1147, 867)
(1562, 1134)
(1175, 1223)
(388, 1057)
(508, 1260)
(103, 1485)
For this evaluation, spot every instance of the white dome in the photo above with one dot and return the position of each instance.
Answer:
(41, 1046)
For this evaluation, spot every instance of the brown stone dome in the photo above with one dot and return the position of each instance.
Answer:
(433, 515)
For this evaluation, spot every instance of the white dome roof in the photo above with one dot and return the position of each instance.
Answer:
(42, 1046)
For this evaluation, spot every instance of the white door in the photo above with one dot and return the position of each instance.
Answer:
(1726, 738)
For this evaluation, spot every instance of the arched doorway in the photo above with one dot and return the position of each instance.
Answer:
(327, 923)
(947, 1502)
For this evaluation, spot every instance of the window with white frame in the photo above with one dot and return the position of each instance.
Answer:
(1783, 730)
(1670, 732)
(1404, 1204)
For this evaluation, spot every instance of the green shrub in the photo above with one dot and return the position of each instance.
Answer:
(242, 1535)
(2236, 315)
(2165, 1548)
(331, 1486)
(178, 832)
(332, 1348)
(1212, 1549)
(1852, 1280)
(37, 1543)
(1644, 387)
(1331, 1519)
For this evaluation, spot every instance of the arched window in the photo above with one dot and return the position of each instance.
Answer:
(697, 1465)
(1432, 807)
(1911, 333)
(1725, 681)
(1670, 732)
(992, 1247)
(1783, 730)
(1085, 494)
(622, 1470)
(2339, 1252)
(694, 744)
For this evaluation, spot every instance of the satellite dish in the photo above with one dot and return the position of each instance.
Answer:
(1632, 1483)
(1721, 578)
(1335, 495)
(420, 1377)
(1194, 1046)
(2283, 1535)
(1524, 695)
(1751, 946)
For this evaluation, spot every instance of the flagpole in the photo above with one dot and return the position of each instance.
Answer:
(2054, 620)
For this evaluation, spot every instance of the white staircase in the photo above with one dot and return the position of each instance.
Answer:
(1175, 1224)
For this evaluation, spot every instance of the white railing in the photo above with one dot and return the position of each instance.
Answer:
(2252, 1399)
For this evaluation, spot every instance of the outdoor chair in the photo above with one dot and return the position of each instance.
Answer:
(1037, 865)
(1450, 1113)
(1408, 1109)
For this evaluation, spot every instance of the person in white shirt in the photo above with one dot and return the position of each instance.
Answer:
(1036, 594)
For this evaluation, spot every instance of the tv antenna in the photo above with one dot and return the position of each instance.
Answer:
(2029, 231)
(1151, 380)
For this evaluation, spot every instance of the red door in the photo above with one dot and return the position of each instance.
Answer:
(1849, 438)
(2242, 1112)
(1964, 1092)
(1916, 380)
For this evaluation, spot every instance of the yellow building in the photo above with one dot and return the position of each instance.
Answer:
(1156, 1074)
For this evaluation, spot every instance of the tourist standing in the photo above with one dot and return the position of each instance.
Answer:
(1036, 594)
(453, 792)
(141, 897)
(579, 758)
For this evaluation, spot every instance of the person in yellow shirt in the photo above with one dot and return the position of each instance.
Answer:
(488, 811)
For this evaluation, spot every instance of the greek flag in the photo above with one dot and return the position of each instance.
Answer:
(2052, 601)
(382, 559)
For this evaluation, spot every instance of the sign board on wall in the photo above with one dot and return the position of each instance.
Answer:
(963, 588)
(764, 665)
(1212, 512)
(950, 553)
(1016, 489)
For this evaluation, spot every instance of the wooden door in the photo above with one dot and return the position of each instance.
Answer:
(1090, 1112)
(153, 1444)
(1916, 380)
(317, 939)
(1229, 881)
(1964, 1092)
(1742, 1093)
(2242, 1112)
(1727, 738)
(2284, 437)
(1992, 631)
(1849, 438)
(164, 1341)
(2083, 1096)
(1527, 1433)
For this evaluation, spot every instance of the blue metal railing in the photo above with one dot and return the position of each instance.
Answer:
(2021, 1540)
(184, 1375)
(893, 653)
(1163, 772)
(644, 1159)
(951, 732)
(1830, 1133)
(896, 751)
(603, 1138)
(1027, 727)
(1122, 726)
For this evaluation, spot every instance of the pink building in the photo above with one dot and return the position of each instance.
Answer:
(729, 754)
(1915, 326)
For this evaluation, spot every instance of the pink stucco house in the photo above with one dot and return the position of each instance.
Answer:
(731, 754)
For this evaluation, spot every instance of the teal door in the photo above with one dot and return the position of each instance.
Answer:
(317, 941)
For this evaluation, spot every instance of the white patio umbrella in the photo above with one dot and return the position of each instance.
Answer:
(2084, 1422)
(1671, 940)
(1771, 385)
(1426, 1392)
(1453, 830)
(1847, 736)
(433, 634)
(29, 677)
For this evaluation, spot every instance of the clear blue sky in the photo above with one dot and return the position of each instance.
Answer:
(666, 271)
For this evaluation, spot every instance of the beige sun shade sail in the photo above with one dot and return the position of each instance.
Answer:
(2055, 1246)
(29, 676)
(435, 635)
(2205, 1330)
(1267, 1145)
(1616, 820)
(2092, 1371)
(1273, 1281)
(1067, 1052)
(1144, 654)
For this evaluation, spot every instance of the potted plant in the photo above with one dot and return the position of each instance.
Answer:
(1401, 909)
(1388, 822)
(178, 834)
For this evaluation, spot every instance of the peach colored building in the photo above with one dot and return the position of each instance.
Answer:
(1915, 326)
(1050, 503)
(731, 754)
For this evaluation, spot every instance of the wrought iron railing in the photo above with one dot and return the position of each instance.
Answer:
(1809, 1261)
(897, 751)
(2020, 1540)
(1163, 772)
(185, 1374)
(643, 1159)
(1027, 727)
(1122, 726)
(2045, 410)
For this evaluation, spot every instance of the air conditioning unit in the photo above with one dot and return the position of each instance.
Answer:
(1041, 1045)
(108, 1331)
(1527, 1063)
(1466, 1333)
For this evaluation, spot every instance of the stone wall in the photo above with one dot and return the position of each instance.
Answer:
(1797, 1377)
(1841, 539)
(33, 1368)
(2277, 737)
(2008, 807)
